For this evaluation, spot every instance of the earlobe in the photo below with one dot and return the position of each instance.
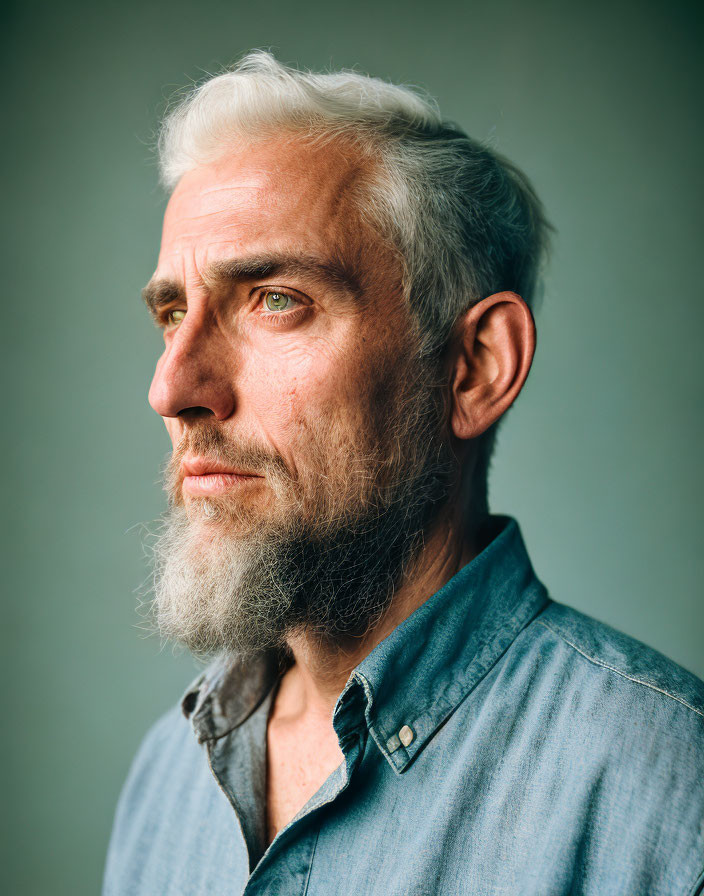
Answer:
(492, 354)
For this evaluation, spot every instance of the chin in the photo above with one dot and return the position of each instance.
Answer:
(225, 517)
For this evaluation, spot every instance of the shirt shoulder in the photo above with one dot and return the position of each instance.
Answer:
(163, 743)
(158, 782)
(628, 659)
(616, 750)
(168, 735)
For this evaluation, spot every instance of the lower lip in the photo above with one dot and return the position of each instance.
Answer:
(216, 483)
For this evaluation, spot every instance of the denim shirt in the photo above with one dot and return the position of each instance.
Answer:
(496, 742)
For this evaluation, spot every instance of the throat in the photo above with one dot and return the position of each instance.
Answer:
(302, 752)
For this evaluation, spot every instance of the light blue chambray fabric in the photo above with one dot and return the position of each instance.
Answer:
(497, 742)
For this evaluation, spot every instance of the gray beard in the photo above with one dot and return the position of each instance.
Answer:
(332, 575)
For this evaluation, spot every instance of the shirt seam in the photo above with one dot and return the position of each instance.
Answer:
(310, 866)
(698, 886)
(598, 662)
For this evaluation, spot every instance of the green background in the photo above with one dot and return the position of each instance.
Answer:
(600, 460)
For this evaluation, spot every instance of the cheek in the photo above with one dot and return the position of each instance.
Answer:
(283, 403)
(333, 385)
(275, 396)
(295, 381)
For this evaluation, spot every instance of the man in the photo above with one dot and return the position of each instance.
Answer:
(393, 704)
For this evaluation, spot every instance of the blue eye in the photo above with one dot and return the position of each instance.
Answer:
(278, 301)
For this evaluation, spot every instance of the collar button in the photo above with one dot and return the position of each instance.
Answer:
(406, 736)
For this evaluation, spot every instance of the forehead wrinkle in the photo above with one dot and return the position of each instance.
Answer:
(251, 186)
(350, 264)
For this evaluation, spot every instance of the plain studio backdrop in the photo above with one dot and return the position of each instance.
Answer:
(600, 459)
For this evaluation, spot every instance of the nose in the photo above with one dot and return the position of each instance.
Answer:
(192, 373)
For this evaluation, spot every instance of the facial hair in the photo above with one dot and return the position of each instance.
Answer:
(331, 545)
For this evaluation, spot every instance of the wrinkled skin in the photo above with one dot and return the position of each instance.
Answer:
(319, 395)
(264, 376)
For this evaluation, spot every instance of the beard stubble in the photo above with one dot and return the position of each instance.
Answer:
(326, 549)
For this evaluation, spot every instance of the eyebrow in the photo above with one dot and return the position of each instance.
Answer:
(333, 271)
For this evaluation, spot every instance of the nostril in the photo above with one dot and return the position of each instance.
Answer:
(191, 382)
(195, 413)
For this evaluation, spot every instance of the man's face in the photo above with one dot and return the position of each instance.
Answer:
(288, 388)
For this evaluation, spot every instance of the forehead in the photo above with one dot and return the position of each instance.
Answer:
(277, 194)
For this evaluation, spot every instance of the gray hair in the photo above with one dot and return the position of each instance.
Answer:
(465, 222)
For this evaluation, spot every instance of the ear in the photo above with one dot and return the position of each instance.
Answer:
(491, 356)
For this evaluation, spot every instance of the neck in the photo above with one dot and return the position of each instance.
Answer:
(320, 671)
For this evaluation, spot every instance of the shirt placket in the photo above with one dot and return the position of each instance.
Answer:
(285, 866)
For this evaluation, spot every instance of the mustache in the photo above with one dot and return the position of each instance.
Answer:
(211, 442)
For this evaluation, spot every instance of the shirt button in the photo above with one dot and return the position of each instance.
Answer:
(406, 735)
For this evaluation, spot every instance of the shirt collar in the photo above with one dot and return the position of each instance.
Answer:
(417, 676)
(228, 692)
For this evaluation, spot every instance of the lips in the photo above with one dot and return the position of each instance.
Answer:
(203, 466)
(206, 477)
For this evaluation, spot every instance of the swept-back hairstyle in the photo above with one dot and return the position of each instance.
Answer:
(464, 220)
